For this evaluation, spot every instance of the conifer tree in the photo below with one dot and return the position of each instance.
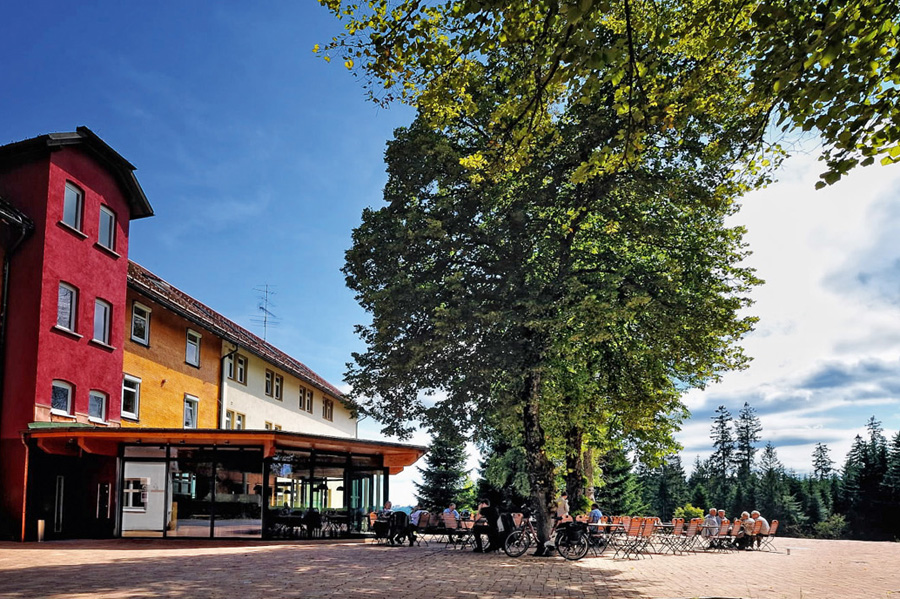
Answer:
(891, 481)
(822, 462)
(747, 428)
(771, 489)
(665, 487)
(445, 476)
(722, 459)
(620, 492)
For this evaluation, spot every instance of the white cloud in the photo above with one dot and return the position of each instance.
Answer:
(826, 352)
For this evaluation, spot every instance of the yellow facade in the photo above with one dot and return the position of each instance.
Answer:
(166, 377)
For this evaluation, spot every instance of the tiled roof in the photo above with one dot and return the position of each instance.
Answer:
(146, 283)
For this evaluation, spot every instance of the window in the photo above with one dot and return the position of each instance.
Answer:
(140, 323)
(134, 495)
(279, 384)
(72, 206)
(234, 420)
(268, 426)
(107, 235)
(276, 427)
(236, 368)
(327, 409)
(97, 406)
(66, 307)
(306, 399)
(183, 483)
(131, 396)
(269, 382)
(102, 312)
(192, 351)
(61, 398)
(190, 411)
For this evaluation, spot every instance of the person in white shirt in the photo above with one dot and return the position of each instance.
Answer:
(562, 505)
(763, 530)
(414, 523)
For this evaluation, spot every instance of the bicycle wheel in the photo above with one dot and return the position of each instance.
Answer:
(571, 548)
(517, 543)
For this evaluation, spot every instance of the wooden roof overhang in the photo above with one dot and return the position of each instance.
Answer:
(107, 441)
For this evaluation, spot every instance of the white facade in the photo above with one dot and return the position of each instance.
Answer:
(253, 403)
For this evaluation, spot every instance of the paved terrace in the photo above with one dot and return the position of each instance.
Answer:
(273, 570)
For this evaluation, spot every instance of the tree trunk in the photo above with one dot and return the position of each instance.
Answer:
(575, 466)
(540, 469)
(589, 464)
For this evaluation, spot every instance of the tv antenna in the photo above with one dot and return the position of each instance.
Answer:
(266, 318)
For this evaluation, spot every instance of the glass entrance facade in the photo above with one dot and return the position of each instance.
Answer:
(233, 492)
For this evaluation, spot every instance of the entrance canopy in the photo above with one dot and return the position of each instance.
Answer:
(108, 441)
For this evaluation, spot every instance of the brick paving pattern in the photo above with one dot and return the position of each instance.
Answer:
(272, 570)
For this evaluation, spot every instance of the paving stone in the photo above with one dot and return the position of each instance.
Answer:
(256, 570)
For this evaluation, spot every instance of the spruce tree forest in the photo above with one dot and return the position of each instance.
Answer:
(834, 500)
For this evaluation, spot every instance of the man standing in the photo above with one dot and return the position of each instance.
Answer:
(491, 528)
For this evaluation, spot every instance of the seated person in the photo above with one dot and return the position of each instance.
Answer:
(595, 514)
(763, 530)
(490, 526)
(745, 535)
(711, 523)
(451, 509)
(414, 523)
(381, 524)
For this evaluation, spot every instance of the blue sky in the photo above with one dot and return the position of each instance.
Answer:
(258, 159)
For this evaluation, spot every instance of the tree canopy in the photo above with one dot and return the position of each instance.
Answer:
(832, 68)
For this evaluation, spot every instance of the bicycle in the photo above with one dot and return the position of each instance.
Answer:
(571, 539)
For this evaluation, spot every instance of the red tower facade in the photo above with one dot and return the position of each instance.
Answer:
(67, 282)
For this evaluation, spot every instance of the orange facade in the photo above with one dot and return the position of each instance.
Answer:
(167, 378)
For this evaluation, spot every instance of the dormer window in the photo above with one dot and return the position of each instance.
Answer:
(73, 206)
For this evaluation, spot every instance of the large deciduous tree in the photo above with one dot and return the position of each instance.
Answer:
(545, 299)
(828, 67)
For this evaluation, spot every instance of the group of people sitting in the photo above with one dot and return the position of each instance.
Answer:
(398, 528)
(747, 535)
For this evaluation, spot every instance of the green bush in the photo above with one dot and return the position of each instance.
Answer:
(688, 512)
(832, 528)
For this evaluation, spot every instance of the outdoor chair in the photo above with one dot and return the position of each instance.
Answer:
(380, 528)
(643, 542)
(691, 534)
(451, 526)
(672, 540)
(625, 542)
(422, 528)
(719, 541)
(733, 534)
(398, 529)
(767, 539)
(464, 534)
